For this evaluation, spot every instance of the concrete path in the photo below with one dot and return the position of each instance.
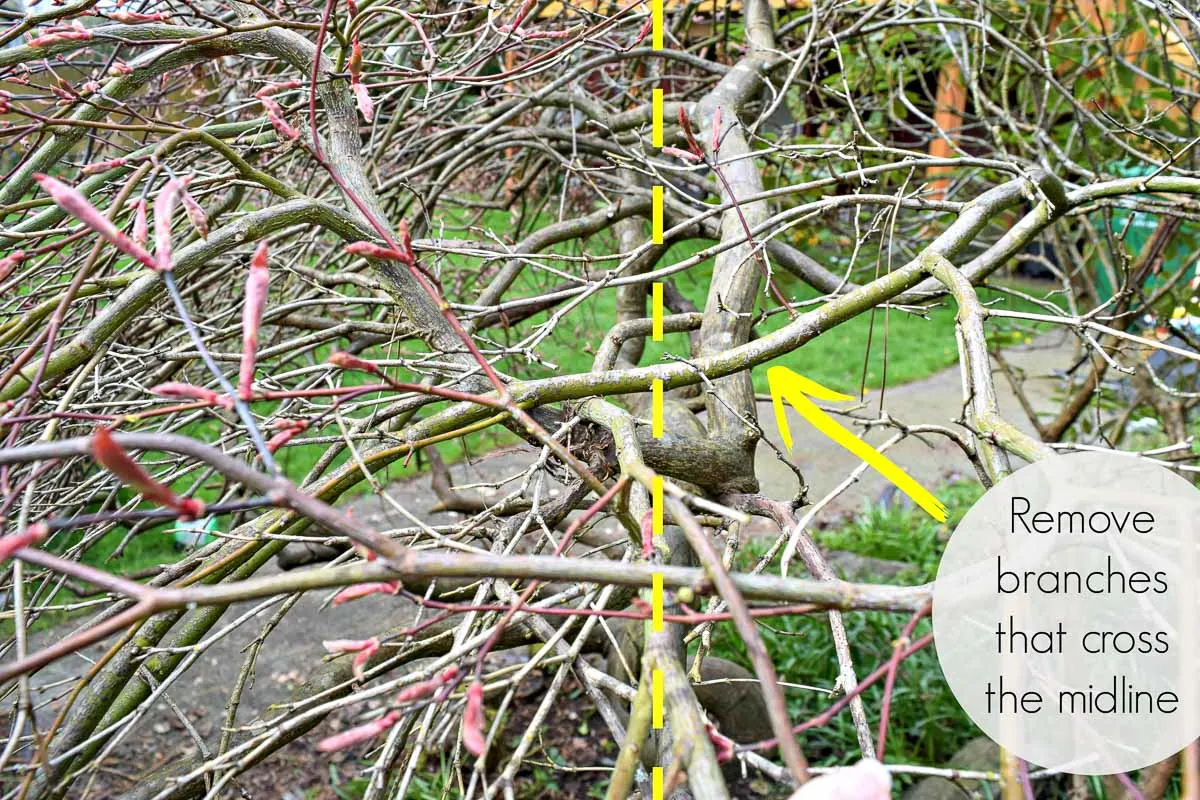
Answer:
(932, 459)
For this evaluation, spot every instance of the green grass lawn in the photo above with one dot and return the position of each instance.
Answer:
(911, 345)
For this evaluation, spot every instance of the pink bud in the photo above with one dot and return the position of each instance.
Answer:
(141, 230)
(164, 209)
(252, 311)
(406, 247)
(59, 37)
(367, 554)
(472, 735)
(648, 534)
(21, 539)
(685, 124)
(195, 214)
(363, 733)
(120, 68)
(354, 66)
(426, 688)
(722, 745)
(275, 117)
(522, 13)
(280, 439)
(369, 250)
(10, 262)
(677, 153)
(282, 126)
(417, 691)
(644, 32)
(259, 259)
(113, 457)
(288, 430)
(364, 589)
(274, 88)
(363, 98)
(716, 131)
(71, 201)
(347, 361)
(187, 391)
(103, 166)
(365, 648)
(133, 17)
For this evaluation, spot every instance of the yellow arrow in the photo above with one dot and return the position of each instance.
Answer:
(797, 389)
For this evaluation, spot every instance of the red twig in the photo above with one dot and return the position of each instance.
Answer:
(825, 716)
(568, 537)
(893, 667)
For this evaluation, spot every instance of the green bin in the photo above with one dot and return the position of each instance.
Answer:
(1140, 228)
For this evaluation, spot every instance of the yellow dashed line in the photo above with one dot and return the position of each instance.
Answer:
(656, 502)
(657, 217)
(656, 311)
(656, 130)
(656, 416)
(656, 601)
(656, 422)
(656, 694)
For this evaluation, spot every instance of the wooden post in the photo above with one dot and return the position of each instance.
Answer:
(948, 111)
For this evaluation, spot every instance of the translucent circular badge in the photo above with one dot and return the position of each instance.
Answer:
(1066, 613)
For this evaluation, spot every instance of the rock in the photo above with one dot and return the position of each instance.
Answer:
(854, 567)
(731, 695)
(728, 692)
(977, 754)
